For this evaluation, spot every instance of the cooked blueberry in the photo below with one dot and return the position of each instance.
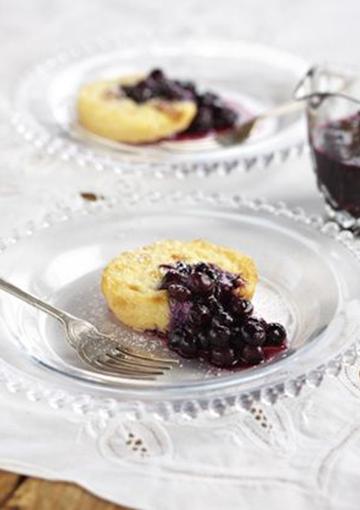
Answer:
(252, 332)
(203, 342)
(183, 268)
(171, 91)
(203, 121)
(207, 99)
(175, 338)
(236, 339)
(145, 90)
(262, 322)
(201, 283)
(207, 269)
(224, 293)
(227, 279)
(225, 319)
(179, 292)
(136, 95)
(219, 337)
(188, 85)
(190, 330)
(224, 117)
(212, 273)
(202, 267)
(132, 92)
(157, 74)
(216, 324)
(275, 334)
(200, 315)
(242, 307)
(188, 348)
(170, 277)
(238, 282)
(213, 304)
(140, 92)
(223, 358)
(252, 354)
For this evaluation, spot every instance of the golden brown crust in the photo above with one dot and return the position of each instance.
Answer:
(130, 281)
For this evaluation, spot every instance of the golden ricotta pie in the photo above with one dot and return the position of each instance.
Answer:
(146, 109)
(131, 281)
(197, 295)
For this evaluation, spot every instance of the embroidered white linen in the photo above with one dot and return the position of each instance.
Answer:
(305, 450)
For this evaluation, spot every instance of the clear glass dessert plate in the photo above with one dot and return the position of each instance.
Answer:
(307, 282)
(251, 76)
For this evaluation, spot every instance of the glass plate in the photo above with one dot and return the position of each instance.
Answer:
(307, 270)
(251, 75)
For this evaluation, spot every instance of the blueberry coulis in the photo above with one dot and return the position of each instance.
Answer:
(210, 321)
(336, 152)
(213, 114)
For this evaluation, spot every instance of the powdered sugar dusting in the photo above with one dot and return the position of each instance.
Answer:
(84, 299)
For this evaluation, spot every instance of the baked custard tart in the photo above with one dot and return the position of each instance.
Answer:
(147, 109)
(197, 296)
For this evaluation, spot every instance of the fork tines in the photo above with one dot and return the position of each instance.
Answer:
(123, 362)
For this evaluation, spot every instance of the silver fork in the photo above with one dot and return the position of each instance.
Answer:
(239, 134)
(98, 350)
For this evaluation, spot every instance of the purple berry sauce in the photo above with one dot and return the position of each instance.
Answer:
(213, 114)
(210, 321)
(336, 153)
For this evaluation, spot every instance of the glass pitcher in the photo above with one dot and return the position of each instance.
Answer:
(333, 118)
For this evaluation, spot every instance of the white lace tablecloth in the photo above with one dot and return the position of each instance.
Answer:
(303, 453)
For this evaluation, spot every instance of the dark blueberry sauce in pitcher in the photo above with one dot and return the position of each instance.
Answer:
(336, 152)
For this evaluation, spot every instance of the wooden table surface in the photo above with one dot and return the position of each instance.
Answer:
(23, 493)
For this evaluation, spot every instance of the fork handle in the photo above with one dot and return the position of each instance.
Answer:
(283, 109)
(34, 301)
